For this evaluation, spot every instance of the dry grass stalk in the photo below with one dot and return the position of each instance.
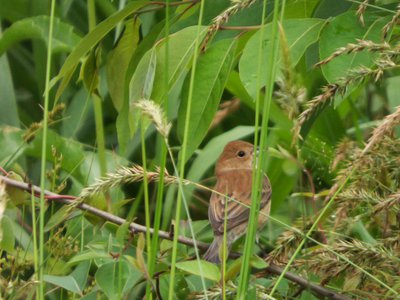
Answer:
(222, 18)
(156, 114)
(392, 202)
(53, 116)
(123, 176)
(354, 48)
(373, 258)
(290, 95)
(361, 10)
(329, 92)
(383, 130)
(395, 20)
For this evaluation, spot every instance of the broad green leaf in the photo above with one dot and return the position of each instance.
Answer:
(233, 269)
(12, 145)
(80, 274)
(392, 90)
(300, 8)
(88, 255)
(76, 161)
(299, 34)
(114, 277)
(258, 263)
(94, 37)
(66, 282)
(122, 232)
(22, 237)
(89, 73)
(181, 289)
(8, 101)
(209, 270)
(64, 39)
(7, 238)
(59, 216)
(235, 86)
(13, 10)
(346, 29)
(141, 86)
(181, 46)
(118, 62)
(210, 78)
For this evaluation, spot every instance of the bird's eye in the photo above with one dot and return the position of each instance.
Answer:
(241, 153)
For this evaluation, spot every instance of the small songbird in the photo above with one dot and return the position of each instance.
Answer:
(234, 171)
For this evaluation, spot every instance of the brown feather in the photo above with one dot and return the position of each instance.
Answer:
(234, 180)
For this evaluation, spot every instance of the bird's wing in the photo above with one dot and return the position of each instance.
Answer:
(237, 213)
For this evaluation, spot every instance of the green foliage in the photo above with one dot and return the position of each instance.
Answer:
(325, 162)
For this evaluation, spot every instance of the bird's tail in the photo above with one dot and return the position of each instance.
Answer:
(214, 252)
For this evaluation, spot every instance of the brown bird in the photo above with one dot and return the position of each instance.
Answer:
(234, 172)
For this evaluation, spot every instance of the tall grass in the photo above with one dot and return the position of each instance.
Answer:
(258, 170)
(182, 162)
(41, 262)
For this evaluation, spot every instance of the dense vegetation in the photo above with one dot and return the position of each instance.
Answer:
(119, 110)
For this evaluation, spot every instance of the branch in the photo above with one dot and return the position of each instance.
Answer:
(66, 199)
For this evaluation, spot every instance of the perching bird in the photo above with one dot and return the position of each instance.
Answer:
(234, 171)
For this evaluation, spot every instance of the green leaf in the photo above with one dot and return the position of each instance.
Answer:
(16, 196)
(76, 161)
(122, 232)
(94, 37)
(13, 10)
(257, 262)
(89, 71)
(346, 29)
(12, 144)
(7, 239)
(299, 33)
(22, 237)
(88, 255)
(59, 216)
(351, 282)
(8, 101)
(66, 282)
(141, 86)
(64, 39)
(300, 9)
(233, 269)
(392, 89)
(180, 53)
(80, 274)
(210, 78)
(115, 278)
(210, 270)
(181, 48)
(118, 62)
(181, 289)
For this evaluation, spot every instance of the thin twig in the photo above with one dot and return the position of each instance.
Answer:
(64, 199)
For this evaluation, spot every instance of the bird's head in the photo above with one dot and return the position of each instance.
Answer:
(236, 155)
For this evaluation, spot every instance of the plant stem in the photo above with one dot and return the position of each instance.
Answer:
(182, 160)
(44, 153)
(146, 202)
(259, 164)
(70, 200)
